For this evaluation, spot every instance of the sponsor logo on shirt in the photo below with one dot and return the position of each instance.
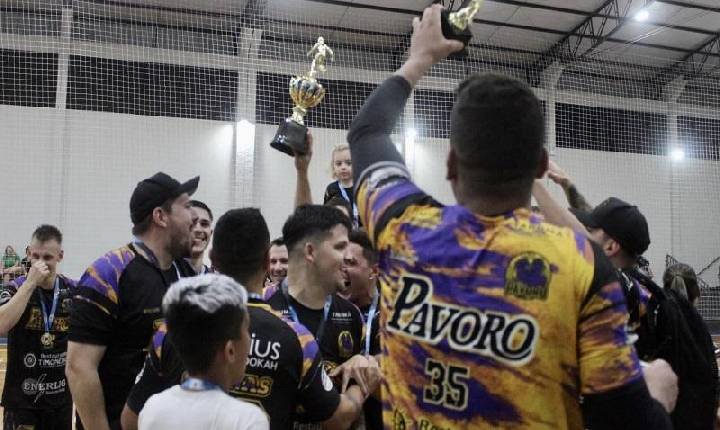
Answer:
(253, 385)
(264, 353)
(345, 344)
(35, 321)
(341, 317)
(326, 381)
(29, 360)
(509, 338)
(39, 387)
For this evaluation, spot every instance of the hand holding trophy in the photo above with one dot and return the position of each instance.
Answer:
(455, 24)
(306, 92)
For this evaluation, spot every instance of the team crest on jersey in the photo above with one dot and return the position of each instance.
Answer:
(345, 344)
(506, 337)
(528, 276)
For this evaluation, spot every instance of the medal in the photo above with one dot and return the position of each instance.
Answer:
(47, 340)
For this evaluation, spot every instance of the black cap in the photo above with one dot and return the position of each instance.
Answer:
(156, 190)
(621, 221)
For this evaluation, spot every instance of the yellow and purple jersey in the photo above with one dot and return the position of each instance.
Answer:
(489, 322)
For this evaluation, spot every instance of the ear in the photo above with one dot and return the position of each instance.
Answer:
(229, 353)
(159, 217)
(374, 271)
(61, 255)
(452, 165)
(309, 252)
(611, 247)
(543, 166)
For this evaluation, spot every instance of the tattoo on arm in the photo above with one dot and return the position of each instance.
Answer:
(577, 200)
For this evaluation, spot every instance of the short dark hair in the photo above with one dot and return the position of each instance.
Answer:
(143, 226)
(360, 237)
(339, 201)
(312, 221)
(201, 205)
(202, 313)
(497, 131)
(47, 232)
(278, 241)
(240, 243)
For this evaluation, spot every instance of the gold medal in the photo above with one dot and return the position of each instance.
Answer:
(47, 340)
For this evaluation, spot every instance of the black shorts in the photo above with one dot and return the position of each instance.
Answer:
(38, 419)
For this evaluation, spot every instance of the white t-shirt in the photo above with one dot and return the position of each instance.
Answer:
(178, 409)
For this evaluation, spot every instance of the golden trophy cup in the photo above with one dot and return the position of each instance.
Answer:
(307, 93)
(455, 24)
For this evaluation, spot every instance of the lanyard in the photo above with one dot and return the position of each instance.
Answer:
(154, 259)
(255, 296)
(197, 384)
(345, 196)
(368, 324)
(294, 315)
(49, 316)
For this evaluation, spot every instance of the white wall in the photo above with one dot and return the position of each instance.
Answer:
(93, 160)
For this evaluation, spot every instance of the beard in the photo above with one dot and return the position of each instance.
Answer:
(180, 243)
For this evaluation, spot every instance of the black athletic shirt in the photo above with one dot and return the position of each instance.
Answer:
(118, 305)
(342, 335)
(283, 372)
(35, 377)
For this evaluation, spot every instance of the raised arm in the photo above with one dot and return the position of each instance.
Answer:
(369, 135)
(303, 195)
(560, 177)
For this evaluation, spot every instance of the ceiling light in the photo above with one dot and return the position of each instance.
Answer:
(642, 15)
(677, 154)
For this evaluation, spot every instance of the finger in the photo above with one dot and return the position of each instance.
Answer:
(455, 45)
(434, 18)
(360, 380)
(427, 16)
(333, 373)
(345, 380)
(415, 23)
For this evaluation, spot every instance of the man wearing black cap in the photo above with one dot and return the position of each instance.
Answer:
(117, 304)
(665, 327)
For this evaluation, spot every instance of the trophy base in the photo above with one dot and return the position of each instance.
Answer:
(450, 32)
(291, 138)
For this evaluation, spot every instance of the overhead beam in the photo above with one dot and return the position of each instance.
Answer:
(585, 37)
(694, 63)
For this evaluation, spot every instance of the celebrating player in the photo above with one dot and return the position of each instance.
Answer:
(493, 319)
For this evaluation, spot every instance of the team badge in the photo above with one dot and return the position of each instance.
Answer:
(345, 344)
(528, 276)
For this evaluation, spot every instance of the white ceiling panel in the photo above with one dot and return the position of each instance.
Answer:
(522, 39)
(305, 11)
(416, 5)
(496, 11)
(376, 20)
(637, 32)
(545, 19)
(638, 54)
(481, 32)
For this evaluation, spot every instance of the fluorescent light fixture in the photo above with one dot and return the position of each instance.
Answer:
(642, 15)
(677, 154)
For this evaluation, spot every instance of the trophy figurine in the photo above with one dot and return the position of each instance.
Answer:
(455, 24)
(306, 92)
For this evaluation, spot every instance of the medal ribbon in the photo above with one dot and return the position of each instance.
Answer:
(294, 316)
(49, 316)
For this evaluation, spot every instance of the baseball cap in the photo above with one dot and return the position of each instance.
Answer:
(621, 221)
(154, 191)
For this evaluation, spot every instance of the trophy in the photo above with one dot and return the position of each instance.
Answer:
(455, 24)
(306, 92)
